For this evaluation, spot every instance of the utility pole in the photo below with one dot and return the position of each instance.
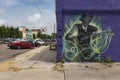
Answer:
(46, 33)
(54, 32)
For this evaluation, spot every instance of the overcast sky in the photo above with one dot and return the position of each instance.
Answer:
(24, 13)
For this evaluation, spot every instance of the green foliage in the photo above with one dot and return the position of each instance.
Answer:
(18, 33)
(39, 35)
(9, 32)
(34, 36)
(3, 31)
(45, 36)
(13, 32)
(48, 37)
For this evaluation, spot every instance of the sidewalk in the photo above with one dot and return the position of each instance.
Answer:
(39, 64)
(92, 71)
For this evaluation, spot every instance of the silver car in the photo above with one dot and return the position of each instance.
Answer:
(38, 42)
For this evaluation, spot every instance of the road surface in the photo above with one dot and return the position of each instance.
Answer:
(6, 53)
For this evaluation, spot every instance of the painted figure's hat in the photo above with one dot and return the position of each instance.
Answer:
(84, 15)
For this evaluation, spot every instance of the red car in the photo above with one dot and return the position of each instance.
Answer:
(21, 44)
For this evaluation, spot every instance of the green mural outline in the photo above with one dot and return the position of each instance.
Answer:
(96, 44)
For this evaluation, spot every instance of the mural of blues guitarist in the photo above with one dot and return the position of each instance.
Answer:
(85, 30)
(83, 39)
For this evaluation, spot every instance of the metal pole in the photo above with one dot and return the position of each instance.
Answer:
(54, 32)
(46, 33)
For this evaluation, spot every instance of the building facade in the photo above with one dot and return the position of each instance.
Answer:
(35, 31)
(24, 32)
(88, 30)
(28, 33)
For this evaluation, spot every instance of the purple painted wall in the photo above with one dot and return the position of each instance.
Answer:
(108, 10)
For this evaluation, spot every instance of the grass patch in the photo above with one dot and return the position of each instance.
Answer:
(7, 66)
(59, 67)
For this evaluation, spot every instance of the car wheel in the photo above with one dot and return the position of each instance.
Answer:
(11, 47)
(38, 45)
(19, 47)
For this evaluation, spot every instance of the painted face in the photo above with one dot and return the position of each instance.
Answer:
(86, 20)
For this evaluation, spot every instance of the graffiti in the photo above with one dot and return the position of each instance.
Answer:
(84, 39)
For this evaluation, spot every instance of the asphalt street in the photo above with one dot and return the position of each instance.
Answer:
(6, 53)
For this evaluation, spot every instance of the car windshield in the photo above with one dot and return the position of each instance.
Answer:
(17, 39)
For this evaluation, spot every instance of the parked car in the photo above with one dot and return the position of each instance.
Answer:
(47, 42)
(53, 44)
(1, 41)
(38, 42)
(7, 40)
(21, 44)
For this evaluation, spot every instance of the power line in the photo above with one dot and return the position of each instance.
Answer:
(39, 10)
(46, 21)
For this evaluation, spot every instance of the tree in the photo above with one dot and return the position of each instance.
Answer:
(0, 32)
(8, 32)
(18, 33)
(39, 34)
(3, 31)
(34, 36)
(12, 32)
(43, 36)
(48, 37)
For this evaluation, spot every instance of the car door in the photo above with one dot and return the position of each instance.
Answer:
(23, 44)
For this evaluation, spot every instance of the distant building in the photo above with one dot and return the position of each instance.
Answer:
(24, 32)
(35, 31)
(28, 33)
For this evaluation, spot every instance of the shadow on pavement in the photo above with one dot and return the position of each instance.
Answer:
(45, 56)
